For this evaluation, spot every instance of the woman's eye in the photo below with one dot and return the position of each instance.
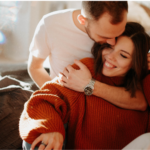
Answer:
(123, 56)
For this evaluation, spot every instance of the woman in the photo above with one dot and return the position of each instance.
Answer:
(92, 122)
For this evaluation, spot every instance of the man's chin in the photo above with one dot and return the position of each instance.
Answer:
(101, 42)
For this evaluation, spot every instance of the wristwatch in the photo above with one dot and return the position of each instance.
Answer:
(88, 90)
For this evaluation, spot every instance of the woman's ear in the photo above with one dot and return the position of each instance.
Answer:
(81, 19)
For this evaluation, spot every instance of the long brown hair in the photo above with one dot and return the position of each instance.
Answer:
(139, 70)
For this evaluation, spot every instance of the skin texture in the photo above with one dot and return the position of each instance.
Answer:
(102, 31)
(117, 60)
(37, 71)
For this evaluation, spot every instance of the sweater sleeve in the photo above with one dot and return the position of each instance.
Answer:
(48, 108)
(46, 111)
(146, 88)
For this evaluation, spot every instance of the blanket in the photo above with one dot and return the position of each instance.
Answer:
(13, 95)
(16, 88)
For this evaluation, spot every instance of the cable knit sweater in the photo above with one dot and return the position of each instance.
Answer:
(93, 123)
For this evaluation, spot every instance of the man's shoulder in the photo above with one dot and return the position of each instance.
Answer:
(57, 15)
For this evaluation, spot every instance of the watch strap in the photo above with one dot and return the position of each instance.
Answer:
(92, 82)
(88, 90)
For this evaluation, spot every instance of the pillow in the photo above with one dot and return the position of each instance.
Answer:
(138, 13)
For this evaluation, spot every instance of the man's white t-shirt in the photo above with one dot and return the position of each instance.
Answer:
(57, 36)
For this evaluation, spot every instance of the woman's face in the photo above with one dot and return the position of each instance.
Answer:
(117, 60)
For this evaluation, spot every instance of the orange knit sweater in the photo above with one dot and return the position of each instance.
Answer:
(93, 123)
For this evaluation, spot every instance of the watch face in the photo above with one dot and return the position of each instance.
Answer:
(88, 91)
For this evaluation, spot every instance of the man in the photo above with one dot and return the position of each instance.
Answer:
(70, 34)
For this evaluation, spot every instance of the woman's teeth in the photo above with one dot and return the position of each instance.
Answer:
(109, 65)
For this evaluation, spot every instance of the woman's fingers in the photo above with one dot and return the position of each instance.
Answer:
(49, 141)
(58, 146)
(42, 147)
(35, 142)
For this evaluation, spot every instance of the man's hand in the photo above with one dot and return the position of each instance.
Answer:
(148, 59)
(75, 79)
(53, 140)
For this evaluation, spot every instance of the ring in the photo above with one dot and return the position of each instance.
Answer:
(43, 143)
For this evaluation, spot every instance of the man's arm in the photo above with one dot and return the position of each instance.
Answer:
(120, 97)
(78, 79)
(36, 70)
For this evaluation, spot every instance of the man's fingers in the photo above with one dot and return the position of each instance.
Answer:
(65, 84)
(35, 142)
(79, 63)
(65, 72)
(62, 78)
(69, 68)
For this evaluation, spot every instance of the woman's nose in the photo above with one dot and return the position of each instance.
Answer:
(111, 55)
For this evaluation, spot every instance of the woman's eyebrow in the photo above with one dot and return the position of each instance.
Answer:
(125, 52)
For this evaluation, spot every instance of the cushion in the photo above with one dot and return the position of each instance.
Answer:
(138, 13)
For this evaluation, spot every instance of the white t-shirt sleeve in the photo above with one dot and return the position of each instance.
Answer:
(39, 46)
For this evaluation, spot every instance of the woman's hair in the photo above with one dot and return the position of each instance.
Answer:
(139, 69)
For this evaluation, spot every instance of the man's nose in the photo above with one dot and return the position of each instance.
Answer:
(111, 41)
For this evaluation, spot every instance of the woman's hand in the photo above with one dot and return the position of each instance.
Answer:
(52, 140)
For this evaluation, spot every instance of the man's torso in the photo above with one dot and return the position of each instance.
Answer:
(64, 40)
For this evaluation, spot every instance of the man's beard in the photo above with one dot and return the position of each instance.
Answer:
(89, 34)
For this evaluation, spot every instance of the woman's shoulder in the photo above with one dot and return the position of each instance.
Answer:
(87, 60)
(89, 63)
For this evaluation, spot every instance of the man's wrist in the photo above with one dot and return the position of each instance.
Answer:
(88, 90)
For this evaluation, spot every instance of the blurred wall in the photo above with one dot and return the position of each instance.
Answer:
(17, 40)
(29, 14)
(19, 37)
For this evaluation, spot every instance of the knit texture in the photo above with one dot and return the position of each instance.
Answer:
(146, 89)
(93, 123)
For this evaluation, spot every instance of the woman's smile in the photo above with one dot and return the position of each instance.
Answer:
(108, 65)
